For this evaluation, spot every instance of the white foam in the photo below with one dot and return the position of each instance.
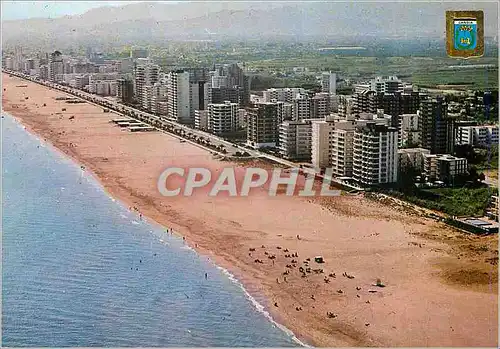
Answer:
(135, 222)
(260, 308)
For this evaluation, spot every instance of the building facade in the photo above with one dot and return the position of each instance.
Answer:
(375, 154)
(262, 128)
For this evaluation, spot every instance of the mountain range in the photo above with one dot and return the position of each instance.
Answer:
(153, 23)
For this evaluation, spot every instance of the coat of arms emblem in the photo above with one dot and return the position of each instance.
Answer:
(465, 32)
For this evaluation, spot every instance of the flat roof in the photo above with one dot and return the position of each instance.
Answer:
(477, 222)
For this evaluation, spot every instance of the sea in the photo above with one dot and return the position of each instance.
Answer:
(80, 270)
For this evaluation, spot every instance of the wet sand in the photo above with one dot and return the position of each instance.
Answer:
(440, 285)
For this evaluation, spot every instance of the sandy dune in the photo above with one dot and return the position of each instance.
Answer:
(441, 285)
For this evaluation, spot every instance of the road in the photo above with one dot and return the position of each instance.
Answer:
(170, 127)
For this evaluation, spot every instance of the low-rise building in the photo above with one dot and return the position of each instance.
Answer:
(478, 136)
(443, 167)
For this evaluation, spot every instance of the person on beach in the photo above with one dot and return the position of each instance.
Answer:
(206, 276)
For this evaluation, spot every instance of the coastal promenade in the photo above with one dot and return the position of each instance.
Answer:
(440, 285)
(162, 123)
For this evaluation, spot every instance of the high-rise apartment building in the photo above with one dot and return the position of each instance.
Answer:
(321, 133)
(375, 154)
(199, 94)
(437, 129)
(341, 148)
(223, 118)
(301, 107)
(179, 97)
(320, 105)
(409, 130)
(55, 66)
(262, 128)
(295, 140)
(125, 91)
(329, 83)
(146, 74)
(282, 94)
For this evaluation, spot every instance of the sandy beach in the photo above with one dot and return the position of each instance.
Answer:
(440, 284)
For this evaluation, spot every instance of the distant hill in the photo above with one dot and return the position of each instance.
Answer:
(143, 23)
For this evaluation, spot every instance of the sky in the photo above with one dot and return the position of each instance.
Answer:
(51, 9)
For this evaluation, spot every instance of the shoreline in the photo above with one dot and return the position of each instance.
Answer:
(259, 307)
(224, 234)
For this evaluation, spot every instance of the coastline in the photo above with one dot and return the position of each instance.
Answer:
(345, 332)
(254, 299)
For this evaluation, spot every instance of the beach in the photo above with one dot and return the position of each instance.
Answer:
(440, 284)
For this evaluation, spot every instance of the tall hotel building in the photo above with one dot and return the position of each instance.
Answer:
(329, 83)
(179, 97)
(145, 75)
(375, 153)
(437, 128)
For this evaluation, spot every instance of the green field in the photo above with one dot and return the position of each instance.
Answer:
(452, 201)
(477, 79)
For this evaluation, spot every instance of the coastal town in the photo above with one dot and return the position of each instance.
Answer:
(384, 135)
(402, 252)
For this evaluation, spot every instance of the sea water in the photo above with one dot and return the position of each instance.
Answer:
(80, 269)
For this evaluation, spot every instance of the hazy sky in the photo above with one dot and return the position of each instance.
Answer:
(51, 9)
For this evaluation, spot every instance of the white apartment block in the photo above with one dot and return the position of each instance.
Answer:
(201, 120)
(295, 140)
(329, 83)
(410, 133)
(375, 154)
(341, 148)
(282, 94)
(223, 117)
(443, 167)
(146, 74)
(321, 133)
(389, 84)
(179, 97)
(478, 135)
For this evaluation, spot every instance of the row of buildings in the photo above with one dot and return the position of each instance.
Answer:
(368, 136)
